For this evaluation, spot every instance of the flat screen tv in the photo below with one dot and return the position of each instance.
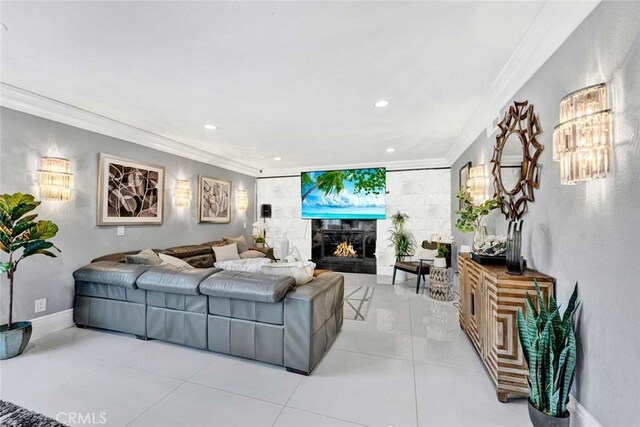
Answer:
(344, 194)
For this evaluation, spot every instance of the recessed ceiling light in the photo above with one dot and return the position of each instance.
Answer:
(277, 159)
(381, 104)
(210, 127)
(390, 150)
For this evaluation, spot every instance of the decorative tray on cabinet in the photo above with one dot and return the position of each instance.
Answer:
(489, 259)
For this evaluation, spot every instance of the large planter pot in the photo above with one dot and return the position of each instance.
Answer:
(540, 419)
(13, 342)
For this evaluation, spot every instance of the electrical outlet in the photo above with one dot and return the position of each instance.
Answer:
(41, 305)
(121, 230)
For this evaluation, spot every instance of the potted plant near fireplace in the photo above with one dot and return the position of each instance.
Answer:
(21, 236)
(549, 346)
(401, 240)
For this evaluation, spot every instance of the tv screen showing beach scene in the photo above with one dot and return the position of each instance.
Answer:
(344, 194)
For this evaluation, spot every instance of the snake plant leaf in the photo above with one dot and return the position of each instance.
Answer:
(525, 337)
(567, 318)
(544, 313)
(568, 373)
(531, 303)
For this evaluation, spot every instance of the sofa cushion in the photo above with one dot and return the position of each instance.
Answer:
(247, 286)
(174, 280)
(226, 253)
(111, 273)
(188, 251)
(252, 253)
(144, 257)
(243, 246)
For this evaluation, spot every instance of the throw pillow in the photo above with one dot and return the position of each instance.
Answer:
(426, 254)
(252, 265)
(226, 252)
(173, 261)
(145, 257)
(252, 254)
(240, 240)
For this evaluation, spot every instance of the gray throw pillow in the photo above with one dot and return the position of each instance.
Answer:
(226, 253)
(252, 254)
(145, 257)
(240, 240)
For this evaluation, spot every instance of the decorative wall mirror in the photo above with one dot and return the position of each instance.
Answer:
(517, 143)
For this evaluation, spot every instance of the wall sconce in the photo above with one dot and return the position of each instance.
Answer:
(182, 193)
(55, 179)
(242, 200)
(582, 140)
(476, 184)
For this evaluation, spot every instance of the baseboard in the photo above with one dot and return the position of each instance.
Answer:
(580, 417)
(51, 323)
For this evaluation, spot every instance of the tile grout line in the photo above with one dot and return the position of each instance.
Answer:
(156, 404)
(287, 402)
(413, 364)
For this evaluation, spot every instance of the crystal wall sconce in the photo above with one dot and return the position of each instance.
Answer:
(182, 193)
(242, 200)
(582, 141)
(476, 184)
(55, 179)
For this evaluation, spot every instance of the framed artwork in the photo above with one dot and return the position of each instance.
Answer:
(129, 192)
(214, 200)
(463, 177)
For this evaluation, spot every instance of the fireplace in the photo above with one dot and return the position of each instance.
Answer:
(345, 245)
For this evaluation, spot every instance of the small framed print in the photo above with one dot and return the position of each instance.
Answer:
(214, 200)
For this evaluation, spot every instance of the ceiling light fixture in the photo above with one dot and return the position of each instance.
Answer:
(390, 150)
(277, 159)
(210, 127)
(381, 104)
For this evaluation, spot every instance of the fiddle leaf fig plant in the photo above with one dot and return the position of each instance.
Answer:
(21, 236)
(549, 346)
(471, 215)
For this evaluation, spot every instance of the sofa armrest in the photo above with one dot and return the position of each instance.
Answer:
(312, 320)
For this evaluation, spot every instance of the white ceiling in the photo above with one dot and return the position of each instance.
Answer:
(291, 79)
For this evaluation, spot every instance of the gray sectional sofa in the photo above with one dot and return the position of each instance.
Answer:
(255, 316)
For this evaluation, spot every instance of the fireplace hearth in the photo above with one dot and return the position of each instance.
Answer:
(344, 245)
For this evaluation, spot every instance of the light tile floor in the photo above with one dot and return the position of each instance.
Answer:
(407, 364)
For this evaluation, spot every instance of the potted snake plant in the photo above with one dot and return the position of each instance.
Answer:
(21, 236)
(549, 346)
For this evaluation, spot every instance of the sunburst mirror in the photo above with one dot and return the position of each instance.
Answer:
(517, 143)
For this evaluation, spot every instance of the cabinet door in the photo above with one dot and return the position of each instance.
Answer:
(473, 299)
(496, 329)
(462, 286)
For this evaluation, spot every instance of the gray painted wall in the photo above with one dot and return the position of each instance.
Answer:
(589, 232)
(25, 139)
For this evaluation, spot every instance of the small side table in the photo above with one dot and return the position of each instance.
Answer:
(440, 284)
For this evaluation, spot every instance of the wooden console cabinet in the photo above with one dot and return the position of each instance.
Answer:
(489, 301)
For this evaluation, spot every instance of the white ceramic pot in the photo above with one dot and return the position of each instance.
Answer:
(440, 262)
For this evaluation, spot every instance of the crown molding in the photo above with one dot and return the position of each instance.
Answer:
(553, 24)
(28, 102)
(390, 166)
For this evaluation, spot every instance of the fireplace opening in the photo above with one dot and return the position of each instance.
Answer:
(345, 245)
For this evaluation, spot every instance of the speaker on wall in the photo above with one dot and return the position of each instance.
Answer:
(265, 211)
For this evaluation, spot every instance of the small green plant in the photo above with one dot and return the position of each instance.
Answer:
(442, 250)
(549, 346)
(400, 239)
(20, 232)
(470, 216)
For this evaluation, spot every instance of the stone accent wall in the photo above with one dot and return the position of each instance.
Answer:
(425, 195)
